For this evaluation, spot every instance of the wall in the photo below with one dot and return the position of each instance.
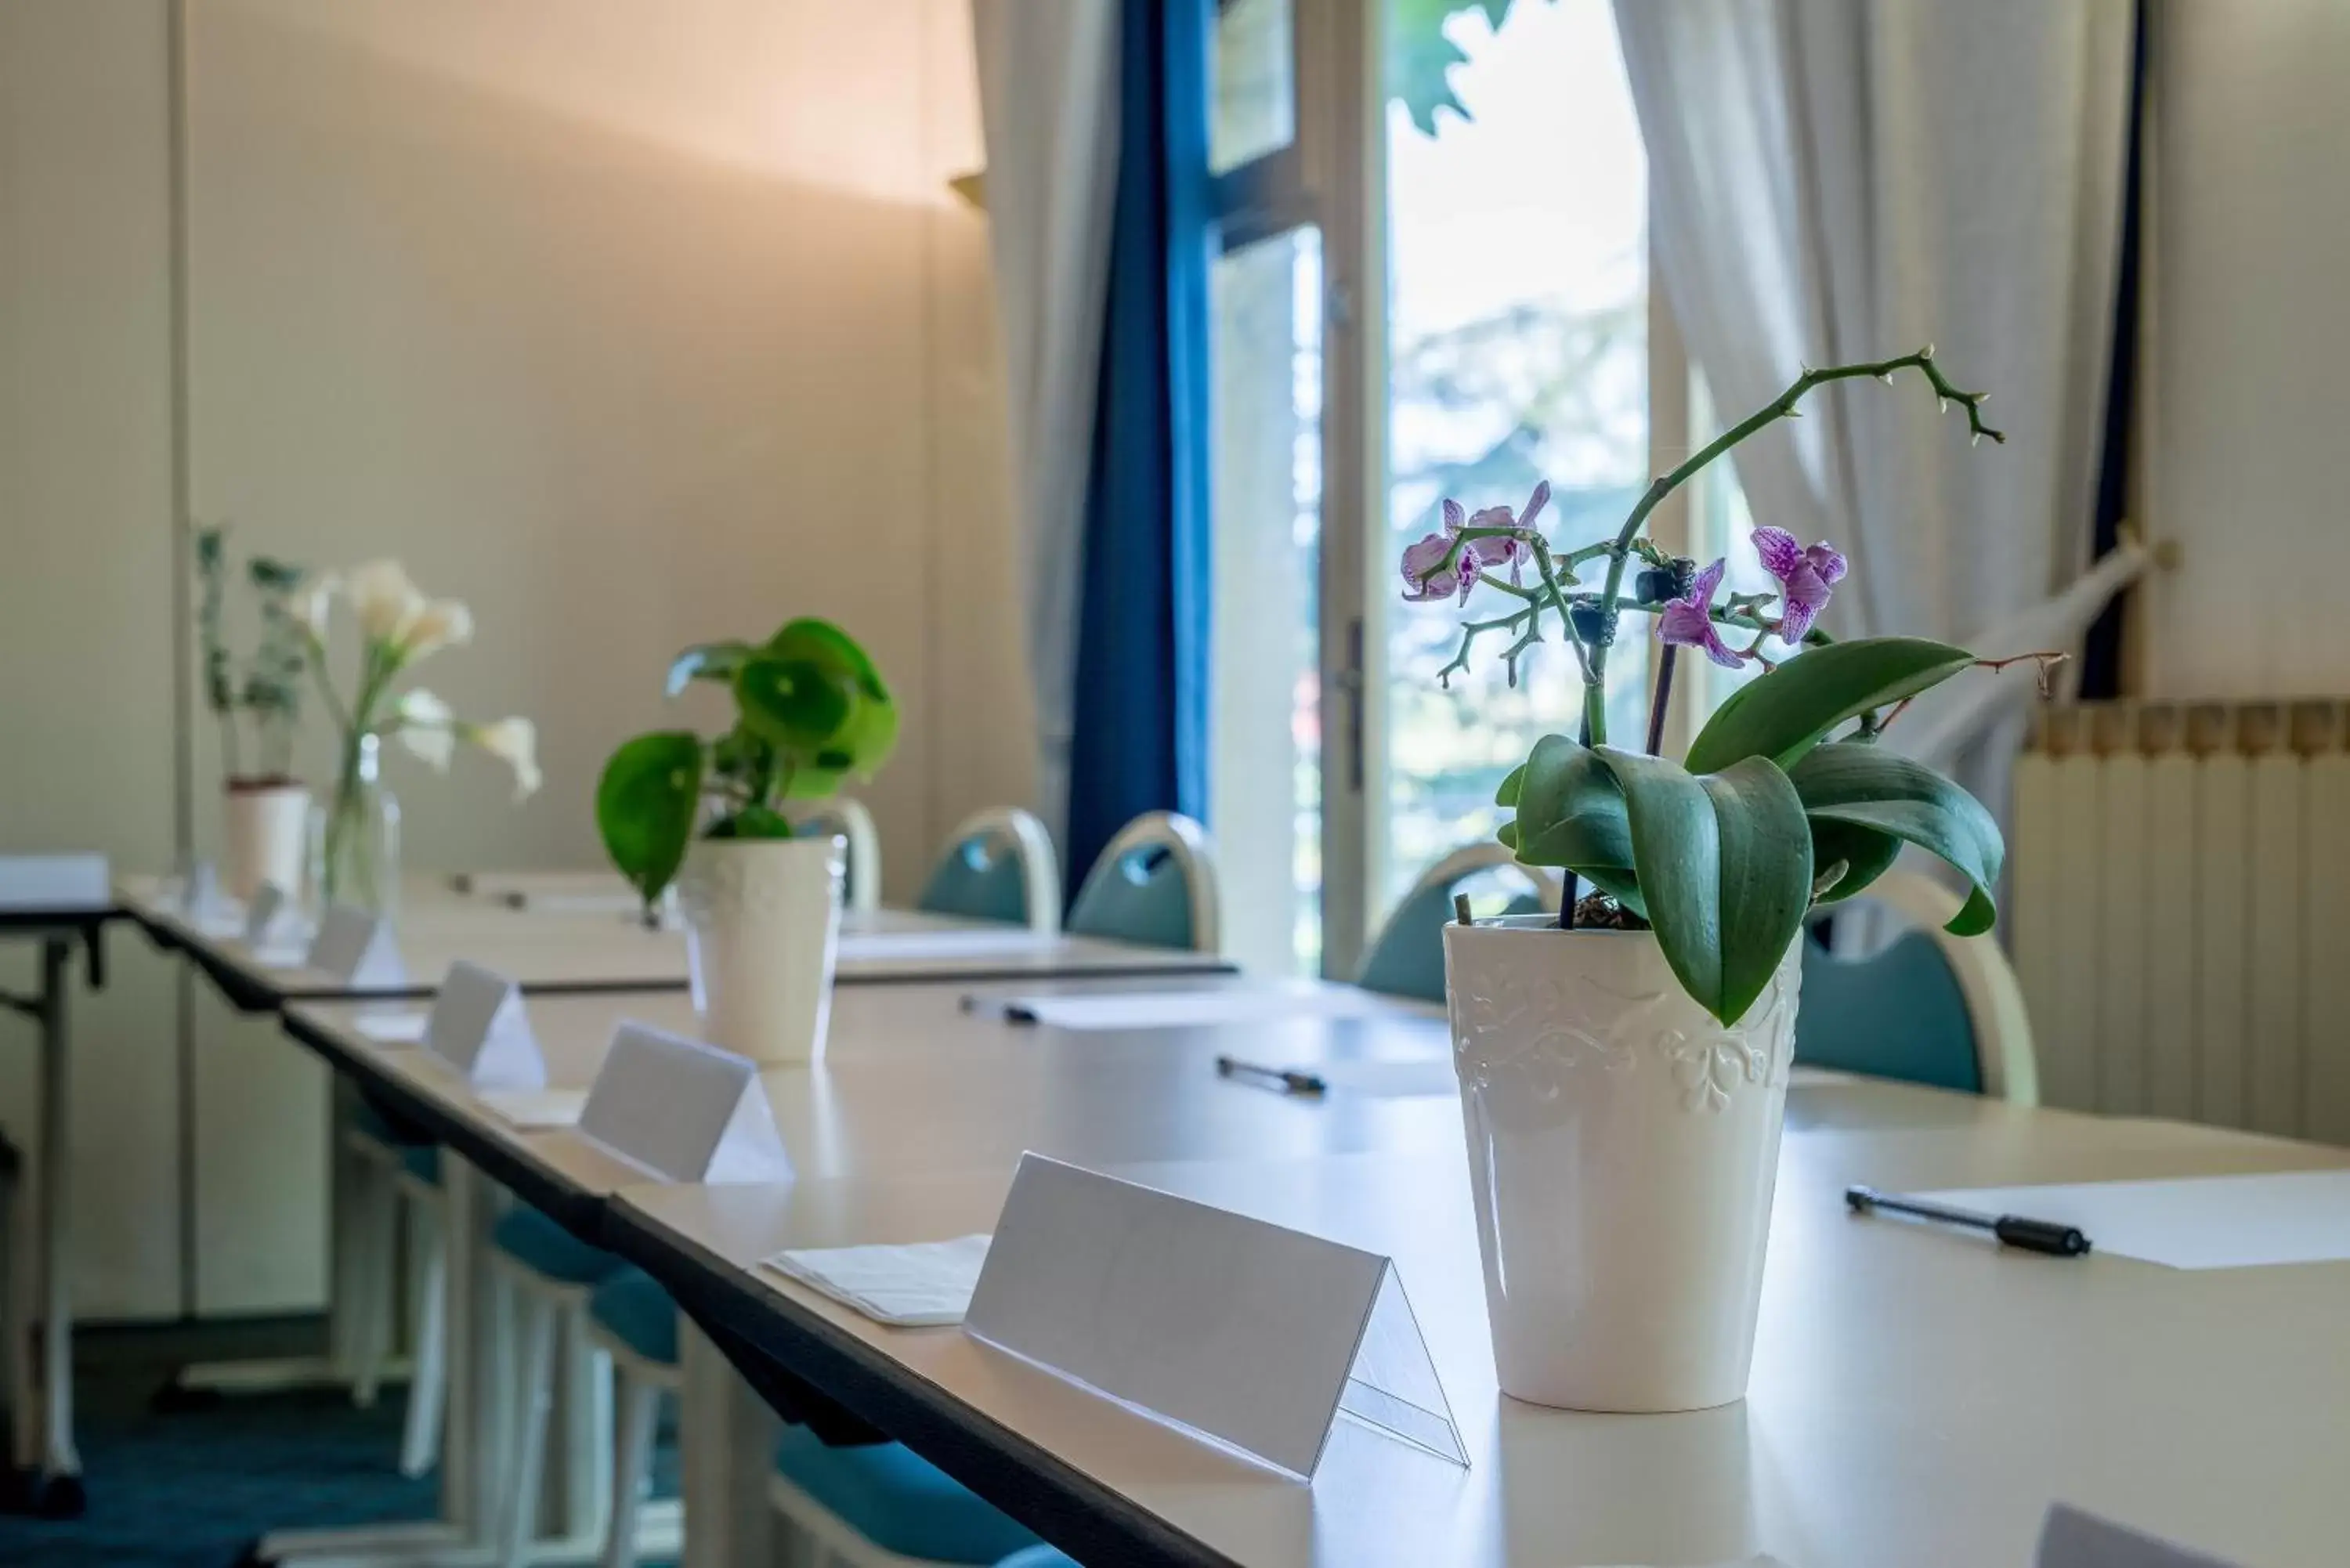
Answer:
(632, 326)
(2248, 330)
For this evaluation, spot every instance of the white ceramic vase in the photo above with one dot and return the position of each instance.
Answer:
(266, 839)
(762, 921)
(1623, 1145)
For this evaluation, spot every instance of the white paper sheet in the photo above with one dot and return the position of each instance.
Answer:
(530, 1108)
(1193, 1007)
(915, 946)
(1390, 1080)
(921, 1284)
(391, 1027)
(2200, 1222)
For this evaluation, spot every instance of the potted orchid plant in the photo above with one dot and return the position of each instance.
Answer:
(762, 901)
(356, 835)
(257, 700)
(1624, 1065)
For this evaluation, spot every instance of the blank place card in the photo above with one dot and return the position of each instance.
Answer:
(684, 1109)
(480, 1026)
(2072, 1539)
(1250, 1334)
(2193, 1222)
(357, 949)
(263, 913)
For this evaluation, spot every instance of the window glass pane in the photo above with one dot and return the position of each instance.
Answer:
(1519, 351)
(1265, 771)
(1255, 109)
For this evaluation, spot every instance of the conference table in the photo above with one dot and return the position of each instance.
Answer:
(1918, 1397)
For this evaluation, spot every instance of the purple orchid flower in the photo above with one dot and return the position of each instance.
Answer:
(1426, 576)
(1804, 579)
(1422, 578)
(1689, 622)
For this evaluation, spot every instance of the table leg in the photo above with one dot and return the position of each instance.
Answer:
(55, 1486)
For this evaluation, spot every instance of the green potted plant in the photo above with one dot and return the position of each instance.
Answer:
(1623, 1067)
(762, 902)
(256, 700)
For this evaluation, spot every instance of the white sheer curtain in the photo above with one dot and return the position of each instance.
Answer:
(1844, 180)
(1049, 102)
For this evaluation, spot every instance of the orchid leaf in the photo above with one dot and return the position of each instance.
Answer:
(1724, 863)
(1786, 712)
(1856, 785)
(645, 806)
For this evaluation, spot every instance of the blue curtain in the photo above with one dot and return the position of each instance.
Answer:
(1139, 737)
(2101, 655)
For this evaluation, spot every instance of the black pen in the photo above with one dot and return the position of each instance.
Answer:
(2032, 1235)
(1290, 1080)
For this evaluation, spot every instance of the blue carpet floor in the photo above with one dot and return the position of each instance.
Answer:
(193, 1489)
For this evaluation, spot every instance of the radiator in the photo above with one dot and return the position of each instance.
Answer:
(2179, 889)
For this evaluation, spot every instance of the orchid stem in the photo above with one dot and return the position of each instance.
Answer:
(1663, 699)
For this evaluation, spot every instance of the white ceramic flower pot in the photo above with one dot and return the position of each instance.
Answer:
(1622, 1150)
(266, 839)
(762, 919)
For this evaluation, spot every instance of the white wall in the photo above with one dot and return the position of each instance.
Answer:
(2248, 234)
(632, 325)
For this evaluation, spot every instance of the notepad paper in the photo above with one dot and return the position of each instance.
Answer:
(924, 1285)
(392, 1026)
(1194, 1007)
(535, 1108)
(920, 946)
(2200, 1223)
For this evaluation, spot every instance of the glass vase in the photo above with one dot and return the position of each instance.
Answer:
(355, 838)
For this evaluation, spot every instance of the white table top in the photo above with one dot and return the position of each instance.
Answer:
(572, 949)
(1919, 1397)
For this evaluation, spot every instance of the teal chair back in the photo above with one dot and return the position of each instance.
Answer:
(1407, 958)
(1928, 1008)
(1155, 884)
(1897, 1013)
(998, 866)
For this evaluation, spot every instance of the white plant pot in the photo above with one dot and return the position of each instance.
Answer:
(762, 919)
(266, 838)
(1622, 1150)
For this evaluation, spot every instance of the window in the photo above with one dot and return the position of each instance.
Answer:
(1519, 349)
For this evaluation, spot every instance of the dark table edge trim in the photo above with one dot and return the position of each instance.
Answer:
(1067, 1508)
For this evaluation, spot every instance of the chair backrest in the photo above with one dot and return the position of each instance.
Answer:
(1928, 1008)
(1154, 883)
(1407, 958)
(846, 818)
(998, 866)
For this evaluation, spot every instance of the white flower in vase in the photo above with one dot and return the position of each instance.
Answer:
(312, 603)
(383, 599)
(427, 727)
(433, 625)
(514, 742)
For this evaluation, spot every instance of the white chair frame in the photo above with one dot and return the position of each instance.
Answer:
(864, 840)
(1040, 863)
(634, 1526)
(1190, 843)
(2004, 1055)
(382, 1189)
(825, 1539)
